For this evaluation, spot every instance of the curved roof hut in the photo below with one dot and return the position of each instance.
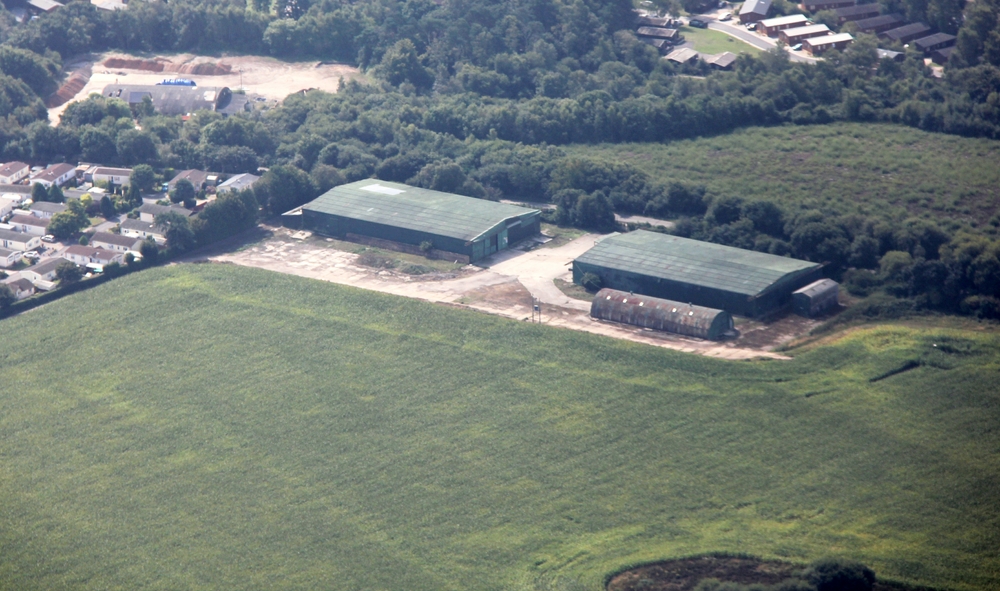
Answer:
(660, 314)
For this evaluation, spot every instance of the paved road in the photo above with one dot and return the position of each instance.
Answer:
(759, 41)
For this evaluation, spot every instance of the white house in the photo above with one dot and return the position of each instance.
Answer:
(117, 176)
(21, 288)
(7, 206)
(115, 242)
(30, 224)
(45, 210)
(55, 174)
(12, 240)
(9, 258)
(238, 183)
(12, 172)
(43, 271)
(84, 255)
(141, 230)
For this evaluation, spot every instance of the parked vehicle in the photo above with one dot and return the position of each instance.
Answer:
(48, 238)
(797, 47)
(726, 17)
(751, 26)
(32, 255)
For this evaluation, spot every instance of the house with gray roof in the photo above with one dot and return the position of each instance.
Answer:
(115, 242)
(237, 183)
(46, 209)
(141, 230)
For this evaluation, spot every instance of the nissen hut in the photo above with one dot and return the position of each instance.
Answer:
(660, 314)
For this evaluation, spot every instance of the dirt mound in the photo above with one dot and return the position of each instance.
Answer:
(156, 65)
(70, 88)
(205, 69)
(164, 65)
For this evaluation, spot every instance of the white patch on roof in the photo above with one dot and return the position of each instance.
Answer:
(377, 188)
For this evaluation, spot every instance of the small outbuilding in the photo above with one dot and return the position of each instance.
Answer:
(660, 314)
(682, 55)
(721, 61)
(815, 298)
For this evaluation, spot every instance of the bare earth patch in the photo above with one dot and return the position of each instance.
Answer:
(266, 77)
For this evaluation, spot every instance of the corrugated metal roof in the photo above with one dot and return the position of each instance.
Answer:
(658, 313)
(817, 287)
(424, 210)
(693, 262)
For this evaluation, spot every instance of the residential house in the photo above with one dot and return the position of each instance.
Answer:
(7, 206)
(655, 21)
(141, 230)
(856, 13)
(40, 6)
(115, 242)
(237, 183)
(30, 224)
(198, 178)
(818, 45)
(55, 174)
(43, 271)
(21, 288)
(86, 255)
(9, 258)
(45, 209)
(669, 35)
(13, 172)
(940, 56)
(771, 26)
(754, 11)
(115, 176)
(12, 240)
(885, 54)
(800, 34)
(149, 211)
(879, 24)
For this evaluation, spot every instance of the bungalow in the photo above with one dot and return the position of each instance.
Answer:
(55, 174)
(198, 178)
(721, 61)
(670, 35)
(149, 211)
(9, 258)
(885, 54)
(240, 182)
(818, 45)
(935, 41)
(818, 5)
(906, 33)
(754, 11)
(655, 21)
(856, 13)
(940, 56)
(771, 26)
(30, 224)
(12, 172)
(115, 242)
(39, 6)
(115, 176)
(21, 288)
(800, 34)
(880, 23)
(7, 206)
(682, 56)
(12, 240)
(141, 230)
(85, 255)
(660, 44)
(43, 271)
(45, 209)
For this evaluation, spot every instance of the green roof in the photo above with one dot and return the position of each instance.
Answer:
(694, 262)
(403, 206)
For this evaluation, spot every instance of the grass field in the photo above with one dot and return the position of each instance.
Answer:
(709, 41)
(217, 427)
(842, 168)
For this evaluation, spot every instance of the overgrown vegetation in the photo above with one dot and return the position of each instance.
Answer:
(262, 429)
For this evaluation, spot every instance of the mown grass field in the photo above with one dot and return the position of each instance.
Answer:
(876, 170)
(217, 427)
(709, 41)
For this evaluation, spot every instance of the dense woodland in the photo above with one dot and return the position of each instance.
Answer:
(476, 96)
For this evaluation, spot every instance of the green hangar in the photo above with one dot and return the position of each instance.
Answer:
(464, 226)
(739, 281)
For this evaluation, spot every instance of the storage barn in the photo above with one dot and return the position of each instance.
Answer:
(739, 281)
(815, 298)
(660, 314)
(471, 228)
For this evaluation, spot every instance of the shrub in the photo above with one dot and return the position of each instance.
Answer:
(591, 282)
(426, 246)
(834, 574)
(378, 261)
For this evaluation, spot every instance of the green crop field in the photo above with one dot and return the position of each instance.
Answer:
(842, 168)
(216, 427)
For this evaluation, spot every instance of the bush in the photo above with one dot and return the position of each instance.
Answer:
(426, 246)
(834, 574)
(378, 261)
(592, 282)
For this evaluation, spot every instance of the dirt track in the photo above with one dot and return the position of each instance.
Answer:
(262, 76)
(504, 288)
